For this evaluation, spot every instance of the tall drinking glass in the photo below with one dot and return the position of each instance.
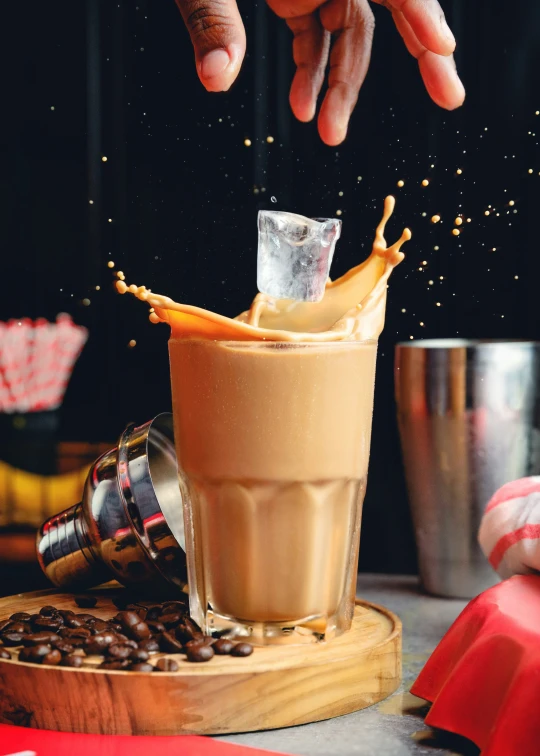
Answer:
(273, 445)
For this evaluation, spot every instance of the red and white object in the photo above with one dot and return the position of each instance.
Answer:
(510, 529)
(15, 741)
(36, 362)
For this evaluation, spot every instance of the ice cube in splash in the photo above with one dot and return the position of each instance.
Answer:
(295, 254)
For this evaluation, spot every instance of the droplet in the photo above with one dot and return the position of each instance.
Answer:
(86, 302)
(438, 304)
(132, 343)
(90, 202)
(401, 183)
(98, 288)
(110, 220)
(110, 264)
(269, 139)
(456, 231)
(487, 212)
(104, 159)
(459, 171)
(273, 199)
(403, 310)
(435, 218)
(511, 203)
(338, 212)
(52, 107)
(425, 182)
(458, 221)
(247, 142)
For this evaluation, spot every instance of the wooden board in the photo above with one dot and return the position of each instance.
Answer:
(275, 687)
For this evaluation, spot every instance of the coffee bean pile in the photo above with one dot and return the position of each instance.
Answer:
(125, 641)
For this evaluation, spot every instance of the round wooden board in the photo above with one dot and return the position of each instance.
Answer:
(275, 687)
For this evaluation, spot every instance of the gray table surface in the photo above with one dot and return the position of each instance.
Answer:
(394, 727)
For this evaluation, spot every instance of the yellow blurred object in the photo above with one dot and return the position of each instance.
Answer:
(28, 499)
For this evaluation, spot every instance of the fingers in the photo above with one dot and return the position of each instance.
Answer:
(310, 52)
(441, 79)
(426, 19)
(438, 72)
(352, 24)
(219, 40)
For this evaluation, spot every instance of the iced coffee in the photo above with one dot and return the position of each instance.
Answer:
(272, 414)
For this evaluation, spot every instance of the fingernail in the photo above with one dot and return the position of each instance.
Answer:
(214, 63)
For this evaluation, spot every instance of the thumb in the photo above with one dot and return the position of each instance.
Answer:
(218, 38)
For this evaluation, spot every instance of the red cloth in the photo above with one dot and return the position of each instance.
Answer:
(47, 743)
(484, 676)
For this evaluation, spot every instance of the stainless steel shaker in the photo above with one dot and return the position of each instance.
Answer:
(469, 421)
(129, 524)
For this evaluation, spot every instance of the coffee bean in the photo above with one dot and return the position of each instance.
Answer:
(171, 620)
(155, 627)
(166, 665)
(116, 664)
(4, 654)
(72, 621)
(167, 642)
(34, 639)
(17, 627)
(199, 653)
(140, 631)
(197, 642)
(20, 617)
(139, 655)
(47, 623)
(141, 667)
(100, 626)
(174, 606)
(242, 649)
(120, 601)
(223, 646)
(72, 661)
(34, 654)
(74, 632)
(86, 602)
(54, 657)
(48, 611)
(11, 639)
(119, 652)
(186, 633)
(127, 619)
(88, 619)
(63, 646)
(141, 611)
(98, 643)
(151, 645)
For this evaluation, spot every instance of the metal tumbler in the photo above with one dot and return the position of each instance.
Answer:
(469, 421)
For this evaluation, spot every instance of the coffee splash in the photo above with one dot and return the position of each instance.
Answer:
(352, 309)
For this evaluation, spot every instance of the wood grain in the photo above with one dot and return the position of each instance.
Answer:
(275, 687)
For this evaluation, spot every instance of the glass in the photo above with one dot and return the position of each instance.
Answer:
(273, 445)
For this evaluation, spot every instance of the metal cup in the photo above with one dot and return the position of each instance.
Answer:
(469, 421)
(129, 524)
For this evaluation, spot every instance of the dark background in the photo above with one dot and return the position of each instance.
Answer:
(116, 79)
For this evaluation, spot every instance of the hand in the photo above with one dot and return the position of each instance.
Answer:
(219, 39)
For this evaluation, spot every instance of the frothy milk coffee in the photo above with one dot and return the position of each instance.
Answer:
(272, 414)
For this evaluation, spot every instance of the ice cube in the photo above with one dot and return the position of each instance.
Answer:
(295, 254)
